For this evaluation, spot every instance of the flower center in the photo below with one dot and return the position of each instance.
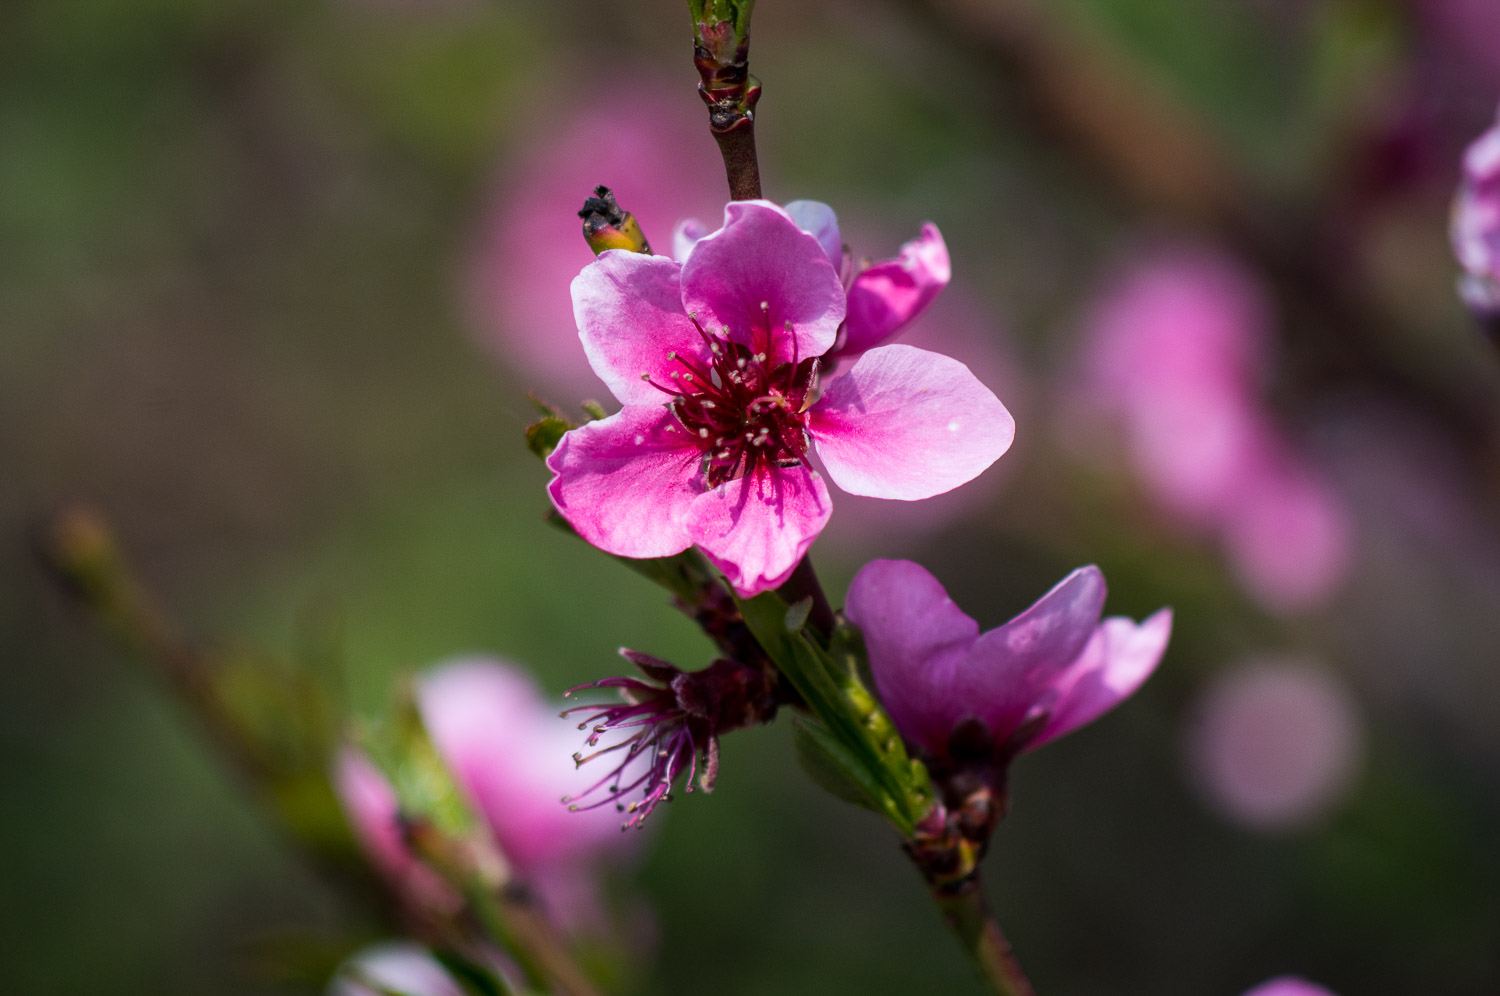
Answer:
(744, 406)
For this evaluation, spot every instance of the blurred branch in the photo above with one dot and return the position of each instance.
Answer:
(968, 915)
(1080, 93)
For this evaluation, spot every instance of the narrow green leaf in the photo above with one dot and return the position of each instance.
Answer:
(832, 767)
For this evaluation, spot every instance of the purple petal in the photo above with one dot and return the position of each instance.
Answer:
(916, 638)
(1119, 657)
(1016, 667)
(760, 255)
(628, 307)
(757, 527)
(688, 233)
(888, 295)
(818, 220)
(626, 482)
(905, 423)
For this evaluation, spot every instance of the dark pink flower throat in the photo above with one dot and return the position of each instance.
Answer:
(744, 406)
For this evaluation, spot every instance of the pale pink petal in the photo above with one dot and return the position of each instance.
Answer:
(757, 527)
(1013, 668)
(886, 296)
(915, 637)
(512, 754)
(1288, 985)
(626, 482)
(760, 256)
(687, 233)
(394, 966)
(818, 220)
(908, 424)
(1120, 656)
(628, 307)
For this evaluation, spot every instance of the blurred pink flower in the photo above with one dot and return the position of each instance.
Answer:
(1048, 671)
(1274, 744)
(1288, 985)
(723, 463)
(512, 755)
(648, 143)
(1176, 349)
(1476, 224)
(395, 966)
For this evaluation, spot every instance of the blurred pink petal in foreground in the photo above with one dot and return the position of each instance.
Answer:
(1275, 744)
(512, 755)
(1288, 985)
(646, 141)
(1176, 350)
(395, 966)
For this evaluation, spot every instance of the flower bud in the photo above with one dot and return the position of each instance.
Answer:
(608, 226)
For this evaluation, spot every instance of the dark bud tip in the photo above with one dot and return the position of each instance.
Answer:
(608, 226)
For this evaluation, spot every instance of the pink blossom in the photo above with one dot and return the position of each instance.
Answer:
(1275, 744)
(395, 966)
(1048, 671)
(1177, 350)
(511, 754)
(1288, 985)
(1476, 225)
(716, 362)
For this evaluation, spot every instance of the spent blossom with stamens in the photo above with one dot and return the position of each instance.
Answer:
(970, 702)
(881, 298)
(1476, 227)
(664, 727)
(716, 362)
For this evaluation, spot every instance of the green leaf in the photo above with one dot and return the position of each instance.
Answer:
(472, 977)
(832, 767)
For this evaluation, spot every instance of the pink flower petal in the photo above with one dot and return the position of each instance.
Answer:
(1118, 659)
(908, 424)
(757, 527)
(916, 638)
(626, 482)
(371, 807)
(760, 255)
(818, 220)
(628, 307)
(886, 296)
(1015, 667)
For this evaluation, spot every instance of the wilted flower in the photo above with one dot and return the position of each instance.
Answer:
(965, 699)
(716, 361)
(1288, 985)
(668, 723)
(1176, 350)
(1476, 227)
(509, 753)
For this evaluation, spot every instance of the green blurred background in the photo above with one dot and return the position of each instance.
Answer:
(235, 242)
